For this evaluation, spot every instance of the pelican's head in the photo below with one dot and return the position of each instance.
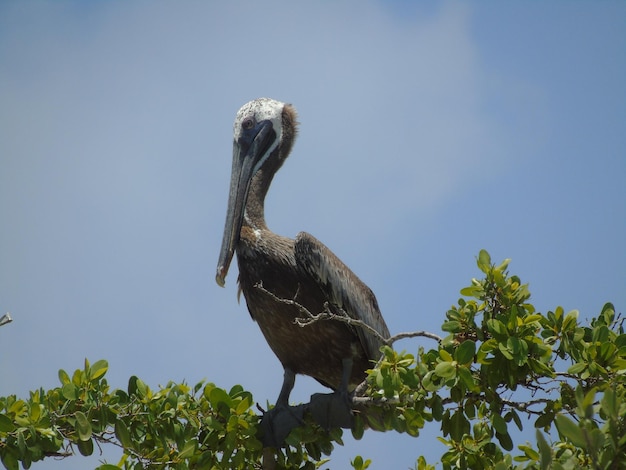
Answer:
(264, 132)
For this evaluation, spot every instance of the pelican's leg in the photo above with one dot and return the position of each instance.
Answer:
(345, 375)
(277, 423)
(289, 380)
(334, 410)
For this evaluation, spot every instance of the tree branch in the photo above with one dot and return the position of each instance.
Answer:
(414, 334)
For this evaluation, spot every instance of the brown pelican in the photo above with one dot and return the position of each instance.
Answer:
(278, 276)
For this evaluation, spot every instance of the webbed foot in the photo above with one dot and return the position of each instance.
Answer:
(277, 423)
(332, 410)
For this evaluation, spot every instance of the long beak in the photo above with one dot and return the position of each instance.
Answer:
(248, 156)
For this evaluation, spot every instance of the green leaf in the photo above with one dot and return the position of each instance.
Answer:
(83, 427)
(484, 261)
(437, 408)
(570, 320)
(468, 379)
(499, 424)
(469, 408)
(136, 387)
(505, 440)
(532, 318)
(456, 394)
(608, 311)
(451, 326)
(242, 407)
(189, 449)
(504, 264)
(132, 385)
(516, 419)
(358, 427)
(577, 368)
(540, 368)
(85, 447)
(35, 412)
(530, 453)
(570, 430)
(459, 426)
(472, 291)
(69, 391)
(98, 369)
(544, 450)
(107, 466)
(609, 404)
(544, 420)
(122, 434)
(64, 377)
(600, 334)
(10, 461)
(514, 345)
(620, 341)
(465, 352)
(496, 327)
(445, 370)
(586, 402)
(359, 464)
(218, 396)
(505, 351)
(445, 355)
(6, 424)
(21, 442)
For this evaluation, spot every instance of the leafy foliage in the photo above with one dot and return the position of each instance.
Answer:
(501, 362)
(176, 427)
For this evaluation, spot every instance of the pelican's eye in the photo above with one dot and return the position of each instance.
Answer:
(248, 123)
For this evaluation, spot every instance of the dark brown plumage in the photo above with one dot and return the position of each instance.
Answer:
(303, 270)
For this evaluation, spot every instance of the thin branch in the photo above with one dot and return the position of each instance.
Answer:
(6, 318)
(344, 318)
(299, 306)
(567, 375)
(414, 334)
(325, 315)
(367, 401)
(525, 406)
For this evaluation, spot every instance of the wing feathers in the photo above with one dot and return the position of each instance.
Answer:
(343, 288)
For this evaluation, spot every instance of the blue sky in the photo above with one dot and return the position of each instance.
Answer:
(427, 133)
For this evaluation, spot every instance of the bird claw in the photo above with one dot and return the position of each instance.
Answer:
(331, 410)
(277, 423)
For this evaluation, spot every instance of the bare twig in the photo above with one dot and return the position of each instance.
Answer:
(367, 401)
(414, 334)
(343, 317)
(525, 406)
(6, 318)
(567, 375)
(299, 306)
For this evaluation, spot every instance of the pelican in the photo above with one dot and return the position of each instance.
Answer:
(284, 279)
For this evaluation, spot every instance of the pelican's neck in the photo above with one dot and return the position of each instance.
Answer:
(254, 215)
